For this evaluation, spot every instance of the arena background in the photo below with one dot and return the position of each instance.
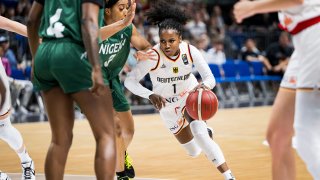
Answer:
(239, 126)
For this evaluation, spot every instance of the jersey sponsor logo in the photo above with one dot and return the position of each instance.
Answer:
(56, 28)
(163, 66)
(173, 79)
(185, 59)
(174, 127)
(172, 99)
(111, 48)
(175, 70)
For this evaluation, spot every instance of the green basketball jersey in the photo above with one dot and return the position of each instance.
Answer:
(114, 51)
(62, 19)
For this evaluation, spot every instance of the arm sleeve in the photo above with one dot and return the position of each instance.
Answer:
(202, 67)
(132, 82)
(97, 2)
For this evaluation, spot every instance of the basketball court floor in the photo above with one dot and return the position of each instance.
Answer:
(155, 152)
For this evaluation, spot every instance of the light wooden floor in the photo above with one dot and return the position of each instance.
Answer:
(157, 154)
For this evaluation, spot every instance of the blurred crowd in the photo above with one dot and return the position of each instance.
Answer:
(212, 29)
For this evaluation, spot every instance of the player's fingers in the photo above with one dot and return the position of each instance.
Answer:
(163, 100)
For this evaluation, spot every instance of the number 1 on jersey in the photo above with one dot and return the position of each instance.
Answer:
(174, 88)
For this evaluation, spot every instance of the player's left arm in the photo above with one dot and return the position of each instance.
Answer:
(138, 41)
(144, 48)
(202, 67)
(13, 26)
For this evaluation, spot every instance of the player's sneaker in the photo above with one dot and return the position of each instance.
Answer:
(123, 178)
(210, 132)
(28, 172)
(4, 176)
(128, 168)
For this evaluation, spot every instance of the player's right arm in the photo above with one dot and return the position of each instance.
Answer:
(90, 37)
(33, 24)
(244, 9)
(13, 26)
(132, 82)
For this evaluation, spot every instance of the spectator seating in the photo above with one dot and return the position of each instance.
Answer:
(242, 82)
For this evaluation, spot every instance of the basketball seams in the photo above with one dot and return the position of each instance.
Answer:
(200, 103)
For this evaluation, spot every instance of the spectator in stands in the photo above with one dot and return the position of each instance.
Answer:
(251, 53)
(8, 53)
(197, 26)
(216, 54)
(279, 54)
(5, 62)
(202, 43)
(216, 22)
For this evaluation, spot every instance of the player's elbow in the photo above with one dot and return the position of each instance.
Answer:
(127, 82)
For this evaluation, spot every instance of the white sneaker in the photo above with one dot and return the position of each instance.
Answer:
(4, 176)
(28, 172)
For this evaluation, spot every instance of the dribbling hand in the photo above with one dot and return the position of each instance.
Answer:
(201, 85)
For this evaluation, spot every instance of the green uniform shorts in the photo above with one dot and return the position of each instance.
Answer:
(120, 103)
(59, 63)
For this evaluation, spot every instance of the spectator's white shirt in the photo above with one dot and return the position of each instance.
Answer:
(196, 29)
(215, 57)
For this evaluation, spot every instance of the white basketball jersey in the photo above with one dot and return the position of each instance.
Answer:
(7, 103)
(173, 77)
(291, 17)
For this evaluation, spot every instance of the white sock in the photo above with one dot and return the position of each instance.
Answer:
(24, 156)
(228, 175)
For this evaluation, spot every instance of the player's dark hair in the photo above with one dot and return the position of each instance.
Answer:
(167, 16)
(110, 3)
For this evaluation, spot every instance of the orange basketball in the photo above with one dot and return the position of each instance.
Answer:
(202, 104)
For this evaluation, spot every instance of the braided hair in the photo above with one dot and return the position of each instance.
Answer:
(167, 16)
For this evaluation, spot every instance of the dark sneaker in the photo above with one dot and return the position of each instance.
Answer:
(123, 178)
(28, 172)
(128, 168)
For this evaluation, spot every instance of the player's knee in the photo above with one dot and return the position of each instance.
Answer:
(63, 140)
(10, 134)
(192, 148)
(278, 137)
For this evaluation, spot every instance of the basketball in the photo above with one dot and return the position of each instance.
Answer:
(202, 104)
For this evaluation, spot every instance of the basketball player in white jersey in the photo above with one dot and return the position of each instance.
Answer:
(8, 133)
(301, 18)
(172, 80)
